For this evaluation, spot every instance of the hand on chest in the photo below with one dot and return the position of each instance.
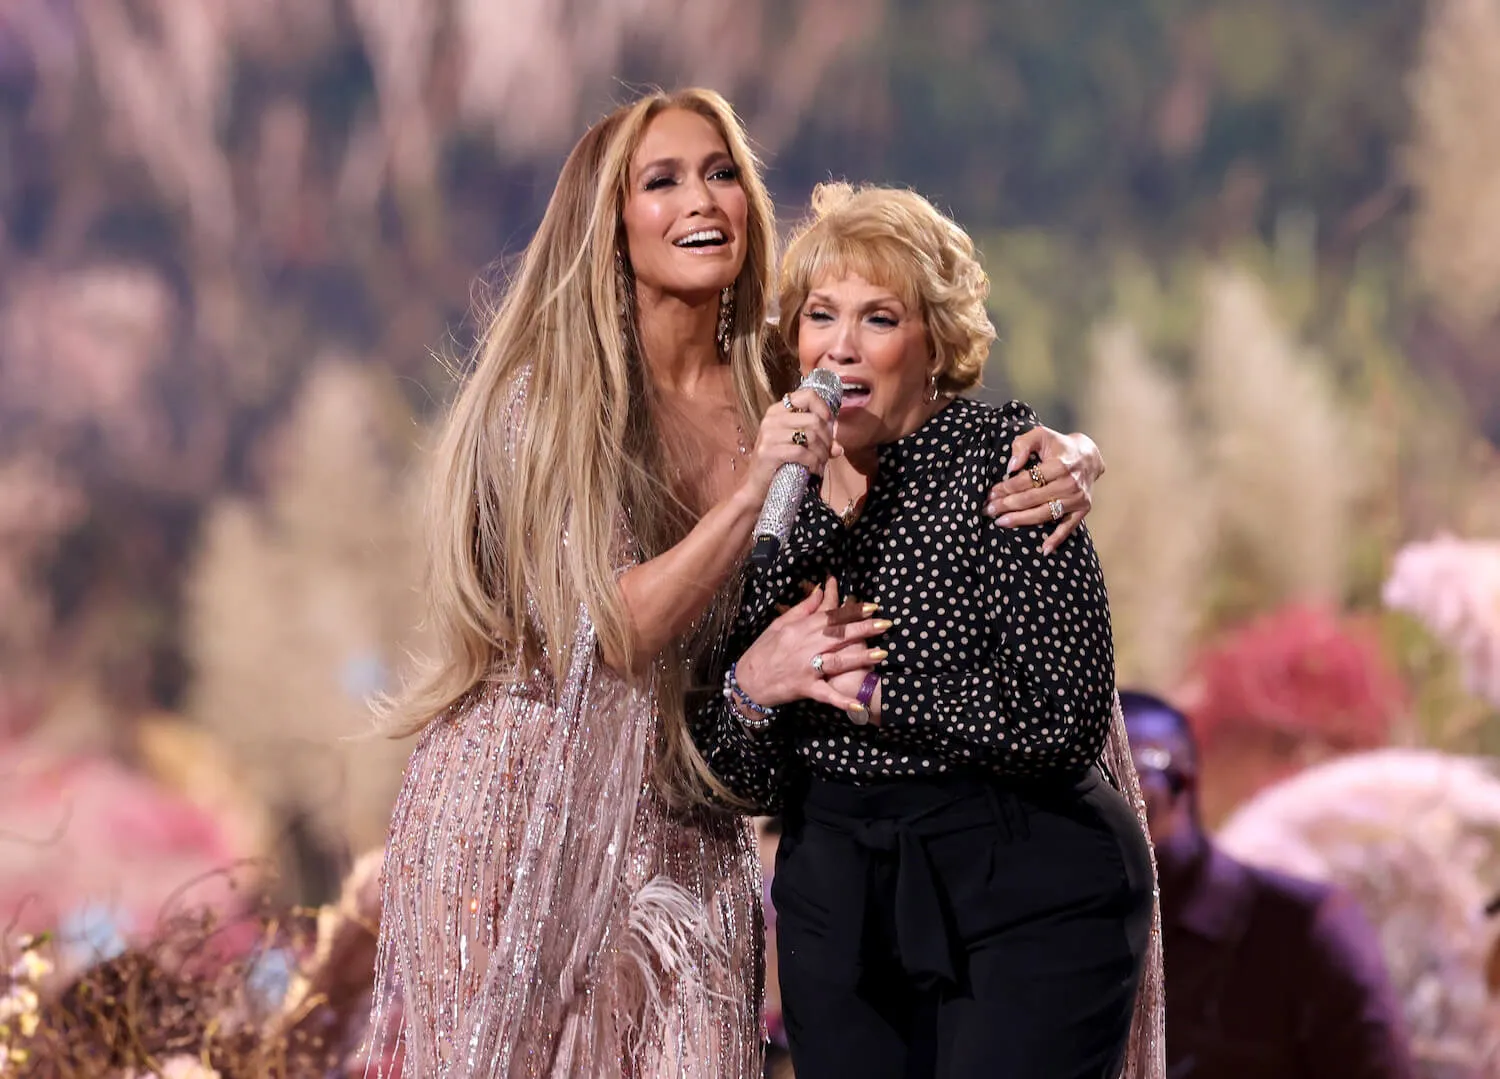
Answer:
(924, 561)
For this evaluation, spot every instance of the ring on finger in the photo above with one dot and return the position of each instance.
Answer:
(1055, 507)
(1037, 479)
(799, 438)
(786, 403)
(817, 664)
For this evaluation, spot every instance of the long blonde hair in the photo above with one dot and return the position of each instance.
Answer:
(552, 445)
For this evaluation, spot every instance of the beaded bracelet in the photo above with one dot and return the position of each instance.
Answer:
(744, 710)
(757, 717)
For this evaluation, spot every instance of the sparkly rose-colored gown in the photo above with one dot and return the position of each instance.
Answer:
(546, 915)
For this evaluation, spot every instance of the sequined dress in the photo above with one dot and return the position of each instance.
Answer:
(546, 914)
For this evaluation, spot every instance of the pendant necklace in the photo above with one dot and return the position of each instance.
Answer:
(850, 513)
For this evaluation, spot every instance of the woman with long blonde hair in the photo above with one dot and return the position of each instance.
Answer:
(564, 892)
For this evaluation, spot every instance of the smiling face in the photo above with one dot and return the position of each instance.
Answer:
(877, 343)
(685, 212)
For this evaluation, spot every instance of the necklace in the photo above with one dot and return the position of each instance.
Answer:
(741, 449)
(850, 513)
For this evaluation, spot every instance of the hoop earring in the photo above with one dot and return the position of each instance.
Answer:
(726, 319)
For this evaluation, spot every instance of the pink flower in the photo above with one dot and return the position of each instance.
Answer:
(1302, 671)
(85, 834)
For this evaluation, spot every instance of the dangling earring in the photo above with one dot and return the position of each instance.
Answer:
(932, 393)
(625, 289)
(726, 319)
(622, 286)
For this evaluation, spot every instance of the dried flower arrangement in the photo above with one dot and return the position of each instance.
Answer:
(195, 1002)
(1415, 836)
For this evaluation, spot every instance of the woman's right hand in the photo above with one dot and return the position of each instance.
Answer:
(778, 667)
(778, 443)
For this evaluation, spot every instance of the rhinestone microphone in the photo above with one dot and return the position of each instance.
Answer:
(790, 482)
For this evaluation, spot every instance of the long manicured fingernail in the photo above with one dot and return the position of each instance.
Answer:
(992, 509)
(1005, 521)
(877, 655)
(1012, 466)
(882, 624)
(867, 609)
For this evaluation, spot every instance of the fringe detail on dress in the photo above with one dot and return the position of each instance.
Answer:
(1146, 1055)
(670, 939)
(545, 916)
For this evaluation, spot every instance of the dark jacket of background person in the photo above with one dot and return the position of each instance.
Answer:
(1267, 976)
(1272, 976)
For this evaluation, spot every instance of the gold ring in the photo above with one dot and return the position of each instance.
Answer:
(1037, 479)
(1055, 507)
(799, 438)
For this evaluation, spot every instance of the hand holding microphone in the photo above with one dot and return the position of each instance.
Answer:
(795, 439)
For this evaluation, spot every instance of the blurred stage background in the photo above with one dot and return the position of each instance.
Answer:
(241, 239)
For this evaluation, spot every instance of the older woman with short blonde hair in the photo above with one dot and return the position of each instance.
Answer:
(964, 886)
(896, 234)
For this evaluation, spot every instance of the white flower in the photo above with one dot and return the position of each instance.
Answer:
(20, 1001)
(31, 967)
(1415, 835)
(183, 1066)
(1453, 588)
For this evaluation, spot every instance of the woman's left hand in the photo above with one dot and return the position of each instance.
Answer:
(1069, 466)
(848, 685)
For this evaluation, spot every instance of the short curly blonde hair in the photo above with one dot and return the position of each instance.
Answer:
(896, 239)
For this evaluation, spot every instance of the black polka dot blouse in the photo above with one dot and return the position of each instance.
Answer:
(1001, 659)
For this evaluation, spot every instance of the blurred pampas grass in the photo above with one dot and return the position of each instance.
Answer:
(300, 608)
(525, 73)
(1287, 462)
(1236, 478)
(38, 502)
(1154, 529)
(1415, 836)
(1454, 160)
(163, 83)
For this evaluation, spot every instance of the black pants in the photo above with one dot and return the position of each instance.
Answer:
(960, 928)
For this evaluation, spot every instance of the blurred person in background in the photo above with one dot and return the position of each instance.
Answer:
(959, 890)
(558, 898)
(1267, 974)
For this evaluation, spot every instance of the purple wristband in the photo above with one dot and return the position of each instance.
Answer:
(867, 689)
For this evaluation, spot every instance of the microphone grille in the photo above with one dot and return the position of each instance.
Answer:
(826, 385)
